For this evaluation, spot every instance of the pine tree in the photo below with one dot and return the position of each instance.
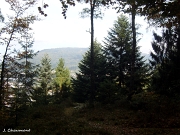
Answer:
(62, 80)
(165, 62)
(81, 83)
(44, 80)
(118, 50)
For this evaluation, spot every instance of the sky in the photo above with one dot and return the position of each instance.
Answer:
(54, 31)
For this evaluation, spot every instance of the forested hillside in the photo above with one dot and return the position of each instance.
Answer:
(72, 56)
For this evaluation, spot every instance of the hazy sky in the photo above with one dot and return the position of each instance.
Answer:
(54, 31)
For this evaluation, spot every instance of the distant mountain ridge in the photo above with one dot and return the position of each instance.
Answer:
(72, 56)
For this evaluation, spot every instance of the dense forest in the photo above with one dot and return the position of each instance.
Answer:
(114, 91)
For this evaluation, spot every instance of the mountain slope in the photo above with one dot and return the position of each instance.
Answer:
(72, 56)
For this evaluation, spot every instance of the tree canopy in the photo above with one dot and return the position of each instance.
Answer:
(165, 61)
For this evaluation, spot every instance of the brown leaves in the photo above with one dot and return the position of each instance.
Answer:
(20, 23)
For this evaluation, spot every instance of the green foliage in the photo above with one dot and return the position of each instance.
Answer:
(25, 70)
(81, 83)
(107, 92)
(117, 48)
(142, 73)
(62, 74)
(62, 81)
(165, 62)
(44, 80)
(118, 51)
(23, 60)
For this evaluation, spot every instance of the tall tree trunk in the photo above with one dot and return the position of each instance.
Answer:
(91, 101)
(3, 70)
(131, 92)
(2, 83)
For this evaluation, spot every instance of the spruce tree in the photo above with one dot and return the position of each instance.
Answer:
(81, 83)
(23, 71)
(62, 81)
(117, 48)
(118, 51)
(44, 80)
(26, 69)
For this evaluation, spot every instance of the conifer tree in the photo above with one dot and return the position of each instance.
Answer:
(27, 70)
(165, 62)
(44, 80)
(81, 83)
(23, 73)
(62, 80)
(24, 58)
(118, 49)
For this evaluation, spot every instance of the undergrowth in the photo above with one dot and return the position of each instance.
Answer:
(146, 114)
